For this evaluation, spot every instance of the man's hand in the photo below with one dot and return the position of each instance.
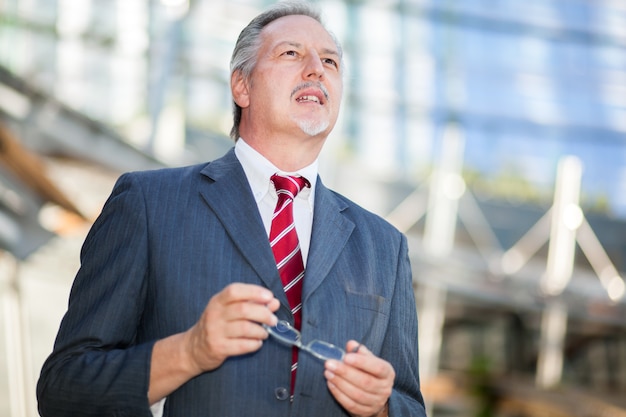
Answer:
(362, 383)
(231, 325)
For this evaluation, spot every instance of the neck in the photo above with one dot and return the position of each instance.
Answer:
(288, 154)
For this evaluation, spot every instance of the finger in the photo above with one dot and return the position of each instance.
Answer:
(248, 311)
(273, 305)
(356, 383)
(353, 346)
(353, 399)
(244, 329)
(364, 360)
(345, 400)
(240, 301)
(216, 339)
(245, 292)
(361, 380)
(210, 352)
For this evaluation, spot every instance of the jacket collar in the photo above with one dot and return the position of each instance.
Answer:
(330, 232)
(228, 195)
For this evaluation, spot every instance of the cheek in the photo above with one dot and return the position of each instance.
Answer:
(337, 92)
(337, 95)
(263, 96)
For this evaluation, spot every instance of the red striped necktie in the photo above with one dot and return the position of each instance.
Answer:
(286, 248)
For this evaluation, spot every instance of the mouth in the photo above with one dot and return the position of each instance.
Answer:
(310, 93)
(310, 98)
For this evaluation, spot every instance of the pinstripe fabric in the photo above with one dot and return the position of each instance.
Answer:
(286, 249)
(166, 242)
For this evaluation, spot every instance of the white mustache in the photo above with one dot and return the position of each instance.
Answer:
(309, 84)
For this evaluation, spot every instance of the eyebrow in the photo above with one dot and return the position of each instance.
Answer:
(328, 51)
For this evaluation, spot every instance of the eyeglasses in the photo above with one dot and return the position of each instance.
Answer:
(287, 334)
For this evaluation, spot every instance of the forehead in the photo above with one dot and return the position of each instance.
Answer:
(299, 29)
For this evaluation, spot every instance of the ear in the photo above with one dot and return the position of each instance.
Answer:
(239, 89)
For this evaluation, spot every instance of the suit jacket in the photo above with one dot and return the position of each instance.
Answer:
(166, 242)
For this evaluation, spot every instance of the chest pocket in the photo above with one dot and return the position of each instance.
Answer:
(370, 302)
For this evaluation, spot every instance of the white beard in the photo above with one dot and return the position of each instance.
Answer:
(313, 127)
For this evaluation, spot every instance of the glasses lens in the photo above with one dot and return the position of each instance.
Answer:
(284, 332)
(325, 351)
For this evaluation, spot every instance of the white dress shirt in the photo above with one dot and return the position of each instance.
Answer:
(258, 171)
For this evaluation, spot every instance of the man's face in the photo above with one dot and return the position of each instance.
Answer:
(296, 84)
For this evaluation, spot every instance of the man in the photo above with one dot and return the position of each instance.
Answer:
(179, 283)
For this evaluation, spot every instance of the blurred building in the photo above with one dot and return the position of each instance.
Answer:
(517, 86)
(527, 81)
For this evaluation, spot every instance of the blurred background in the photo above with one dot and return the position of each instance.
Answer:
(493, 133)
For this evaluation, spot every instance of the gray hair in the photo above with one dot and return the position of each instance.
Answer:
(245, 53)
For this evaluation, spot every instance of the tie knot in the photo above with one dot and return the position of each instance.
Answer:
(290, 185)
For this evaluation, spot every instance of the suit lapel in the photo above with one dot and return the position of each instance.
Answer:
(228, 195)
(329, 235)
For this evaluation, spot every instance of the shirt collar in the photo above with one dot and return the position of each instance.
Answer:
(259, 170)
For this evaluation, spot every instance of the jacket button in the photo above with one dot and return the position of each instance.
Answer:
(281, 393)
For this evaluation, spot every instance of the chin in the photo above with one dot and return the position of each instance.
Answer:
(313, 128)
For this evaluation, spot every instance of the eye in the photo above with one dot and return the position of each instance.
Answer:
(290, 53)
(331, 62)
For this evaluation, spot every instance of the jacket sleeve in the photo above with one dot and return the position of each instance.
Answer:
(96, 367)
(401, 343)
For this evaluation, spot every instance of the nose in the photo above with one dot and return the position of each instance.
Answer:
(313, 66)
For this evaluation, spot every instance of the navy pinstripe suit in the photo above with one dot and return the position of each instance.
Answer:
(166, 242)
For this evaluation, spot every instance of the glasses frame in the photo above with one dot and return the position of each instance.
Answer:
(309, 347)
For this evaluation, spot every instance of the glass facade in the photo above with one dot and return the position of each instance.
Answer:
(526, 82)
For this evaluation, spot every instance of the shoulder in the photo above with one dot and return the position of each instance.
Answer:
(363, 217)
(175, 174)
(140, 188)
(184, 175)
